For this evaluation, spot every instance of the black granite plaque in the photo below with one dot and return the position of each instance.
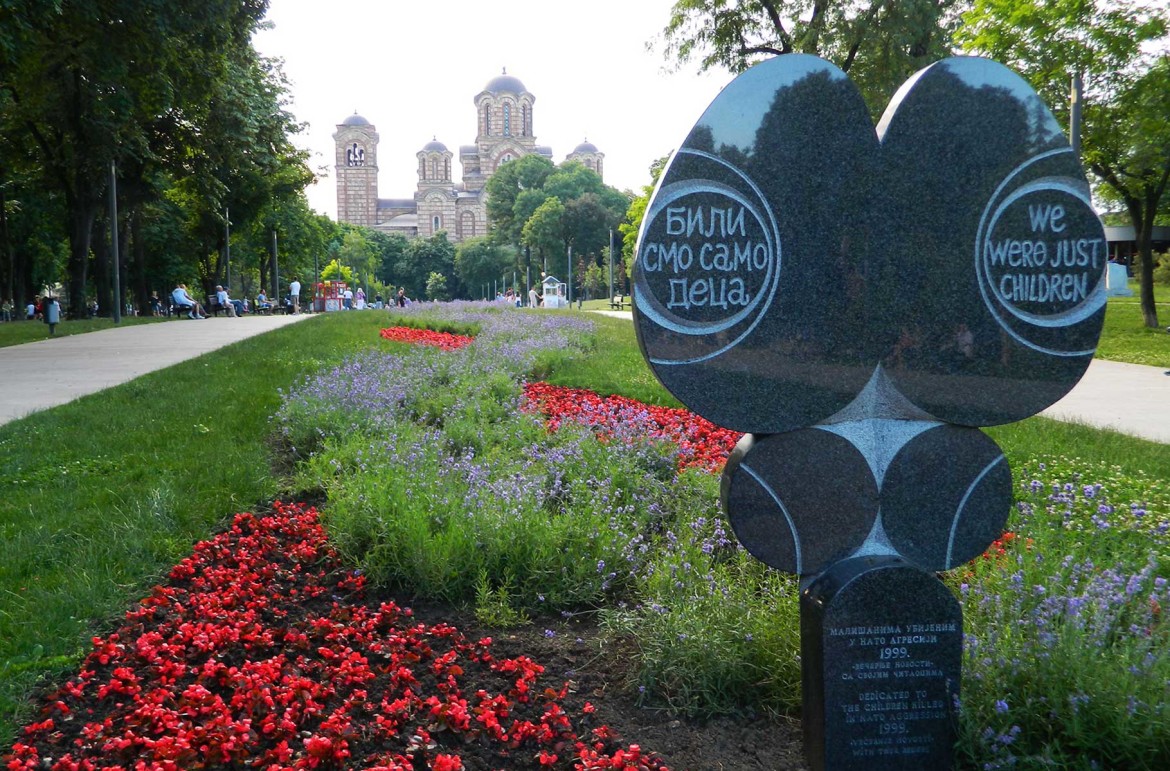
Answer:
(801, 500)
(749, 285)
(881, 649)
(842, 295)
(790, 248)
(1001, 257)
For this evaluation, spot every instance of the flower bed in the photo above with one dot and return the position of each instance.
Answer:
(444, 340)
(259, 652)
(701, 443)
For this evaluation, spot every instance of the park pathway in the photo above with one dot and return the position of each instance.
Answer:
(44, 374)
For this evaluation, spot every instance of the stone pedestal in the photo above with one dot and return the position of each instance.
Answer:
(881, 648)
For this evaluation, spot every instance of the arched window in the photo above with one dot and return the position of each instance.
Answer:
(526, 119)
(435, 168)
(507, 119)
(487, 119)
(422, 168)
(447, 168)
(436, 224)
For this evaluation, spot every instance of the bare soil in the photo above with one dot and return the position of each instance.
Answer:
(577, 653)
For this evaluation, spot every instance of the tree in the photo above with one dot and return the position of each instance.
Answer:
(545, 232)
(634, 216)
(1126, 130)
(505, 187)
(437, 287)
(422, 257)
(878, 42)
(88, 88)
(479, 261)
(335, 271)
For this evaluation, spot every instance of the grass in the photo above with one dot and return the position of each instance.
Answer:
(19, 332)
(100, 497)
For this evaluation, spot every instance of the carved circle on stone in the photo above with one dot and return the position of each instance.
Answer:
(1040, 254)
(799, 501)
(941, 520)
(709, 258)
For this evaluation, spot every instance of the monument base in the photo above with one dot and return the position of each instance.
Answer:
(881, 647)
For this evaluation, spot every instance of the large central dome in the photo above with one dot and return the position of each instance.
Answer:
(505, 83)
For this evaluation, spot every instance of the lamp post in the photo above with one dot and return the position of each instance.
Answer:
(569, 283)
(114, 242)
(275, 269)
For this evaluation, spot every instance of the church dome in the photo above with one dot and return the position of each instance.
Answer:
(434, 146)
(505, 84)
(585, 147)
(355, 120)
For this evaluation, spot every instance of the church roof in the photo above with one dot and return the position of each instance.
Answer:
(505, 84)
(586, 147)
(355, 120)
(435, 146)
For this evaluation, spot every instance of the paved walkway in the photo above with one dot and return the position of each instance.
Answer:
(37, 376)
(1125, 397)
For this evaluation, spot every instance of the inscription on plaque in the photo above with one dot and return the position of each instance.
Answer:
(709, 256)
(885, 677)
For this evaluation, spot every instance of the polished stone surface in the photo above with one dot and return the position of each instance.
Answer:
(936, 494)
(788, 250)
(881, 655)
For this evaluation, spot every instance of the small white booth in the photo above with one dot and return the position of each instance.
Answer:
(555, 293)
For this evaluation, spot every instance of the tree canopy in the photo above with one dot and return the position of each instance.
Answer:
(171, 95)
(1120, 51)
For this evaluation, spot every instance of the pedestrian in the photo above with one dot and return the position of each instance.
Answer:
(30, 311)
(52, 313)
(294, 292)
(401, 299)
(6, 310)
(533, 298)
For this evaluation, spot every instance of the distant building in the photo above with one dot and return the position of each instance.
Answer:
(504, 117)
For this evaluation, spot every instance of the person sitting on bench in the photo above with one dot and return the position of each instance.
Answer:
(183, 300)
(262, 303)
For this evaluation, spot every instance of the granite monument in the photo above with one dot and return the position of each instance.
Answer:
(859, 302)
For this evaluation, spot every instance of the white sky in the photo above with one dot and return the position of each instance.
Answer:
(586, 64)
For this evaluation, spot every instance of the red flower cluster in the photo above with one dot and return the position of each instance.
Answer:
(257, 654)
(444, 340)
(702, 444)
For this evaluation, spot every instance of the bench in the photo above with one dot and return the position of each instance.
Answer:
(619, 302)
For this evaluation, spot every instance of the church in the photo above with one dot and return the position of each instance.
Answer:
(504, 118)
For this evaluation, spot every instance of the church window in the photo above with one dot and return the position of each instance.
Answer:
(436, 224)
(447, 168)
(355, 155)
(507, 119)
(525, 119)
(487, 119)
(434, 168)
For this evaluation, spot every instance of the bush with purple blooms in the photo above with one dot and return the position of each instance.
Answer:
(1068, 647)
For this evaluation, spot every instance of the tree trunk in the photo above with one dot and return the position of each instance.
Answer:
(80, 227)
(138, 262)
(8, 286)
(102, 284)
(1144, 235)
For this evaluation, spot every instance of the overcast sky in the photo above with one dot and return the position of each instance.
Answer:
(413, 68)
